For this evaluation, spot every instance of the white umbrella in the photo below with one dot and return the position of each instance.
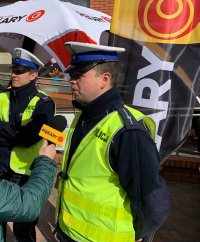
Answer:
(43, 27)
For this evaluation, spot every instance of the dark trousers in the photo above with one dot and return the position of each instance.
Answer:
(24, 232)
(62, 237)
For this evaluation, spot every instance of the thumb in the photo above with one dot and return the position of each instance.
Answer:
(45, 143)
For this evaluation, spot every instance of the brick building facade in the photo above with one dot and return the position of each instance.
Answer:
(104, 6)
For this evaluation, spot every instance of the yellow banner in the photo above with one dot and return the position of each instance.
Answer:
(158, 21)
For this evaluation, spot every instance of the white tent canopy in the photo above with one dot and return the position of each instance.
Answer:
(43, 27)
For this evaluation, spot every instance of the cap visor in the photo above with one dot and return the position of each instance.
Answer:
(80, 67)
(19, 67)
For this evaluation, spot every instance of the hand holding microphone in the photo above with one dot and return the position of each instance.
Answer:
(48, 150)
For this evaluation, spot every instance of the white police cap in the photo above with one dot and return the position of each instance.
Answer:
(85, 55)
(23, 59)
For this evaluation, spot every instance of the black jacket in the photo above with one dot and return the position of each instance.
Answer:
(12, 133)
(134, 157)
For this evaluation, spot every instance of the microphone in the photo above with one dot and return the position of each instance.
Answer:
(53, 131)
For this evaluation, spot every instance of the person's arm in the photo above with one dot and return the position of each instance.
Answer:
(17, 135)
(140, 159)
(7, 133)
(25, 203)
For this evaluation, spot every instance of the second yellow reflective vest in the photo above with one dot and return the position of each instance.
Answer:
(21, 157)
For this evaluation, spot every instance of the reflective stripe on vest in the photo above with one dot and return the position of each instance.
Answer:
(94, 206)
(21, 157)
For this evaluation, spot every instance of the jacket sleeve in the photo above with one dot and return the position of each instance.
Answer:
(7, 133)
(137, 165)
(25, 203)
(17, 135)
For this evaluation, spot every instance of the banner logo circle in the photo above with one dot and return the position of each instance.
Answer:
(35, 16)
(167, 19)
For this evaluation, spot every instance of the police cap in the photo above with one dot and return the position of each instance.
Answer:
(85, 56)
(24, 60)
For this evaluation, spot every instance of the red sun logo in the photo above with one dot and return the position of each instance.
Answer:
(34, 16)
(167, 19)
(60, 139)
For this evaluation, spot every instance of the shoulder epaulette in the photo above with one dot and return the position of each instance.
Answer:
(44, 97)
(129, 120)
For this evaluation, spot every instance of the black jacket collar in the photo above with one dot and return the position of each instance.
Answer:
(29, 90)
(106, 103)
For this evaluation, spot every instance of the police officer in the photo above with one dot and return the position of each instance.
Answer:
(23, 111)
(110, 188)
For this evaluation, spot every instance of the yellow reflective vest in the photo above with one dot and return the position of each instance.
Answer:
(92, 205)
(21, 157)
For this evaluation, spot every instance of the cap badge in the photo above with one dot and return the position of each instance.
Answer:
(18, 53)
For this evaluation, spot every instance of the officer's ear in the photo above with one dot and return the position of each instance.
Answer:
(33, 75)
(106, 80)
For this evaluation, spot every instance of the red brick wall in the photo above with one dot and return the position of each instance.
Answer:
(104, 6)
(182, 169)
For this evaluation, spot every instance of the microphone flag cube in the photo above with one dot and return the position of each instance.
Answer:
(52, 135)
